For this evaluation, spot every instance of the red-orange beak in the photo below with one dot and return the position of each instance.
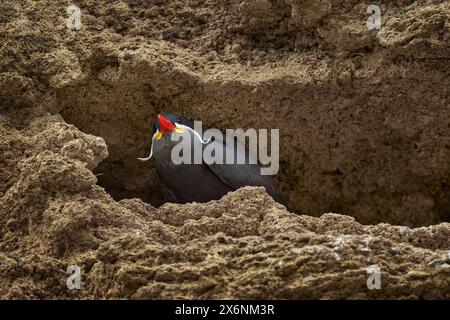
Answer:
(165, 124)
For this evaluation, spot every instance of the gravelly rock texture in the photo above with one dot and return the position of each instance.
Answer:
(364, 132)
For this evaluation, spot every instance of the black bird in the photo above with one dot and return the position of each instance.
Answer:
(183, 183)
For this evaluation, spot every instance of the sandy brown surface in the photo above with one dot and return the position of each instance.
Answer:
(365, 133)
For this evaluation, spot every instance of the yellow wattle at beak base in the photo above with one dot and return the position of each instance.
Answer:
(179, 130)
(159, 136)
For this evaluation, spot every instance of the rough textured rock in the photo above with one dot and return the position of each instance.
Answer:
(364, 132)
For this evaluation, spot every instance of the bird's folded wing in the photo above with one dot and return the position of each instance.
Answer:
(240, 175)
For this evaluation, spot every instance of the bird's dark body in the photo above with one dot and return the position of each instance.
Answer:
(185, 183)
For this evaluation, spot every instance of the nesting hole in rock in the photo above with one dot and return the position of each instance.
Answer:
(123, 114)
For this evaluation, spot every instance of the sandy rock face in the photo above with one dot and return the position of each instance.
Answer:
(364, 132)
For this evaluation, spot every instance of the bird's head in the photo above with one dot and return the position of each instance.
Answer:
(169, 123)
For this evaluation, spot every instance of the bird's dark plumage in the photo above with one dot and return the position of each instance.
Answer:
(202, 182)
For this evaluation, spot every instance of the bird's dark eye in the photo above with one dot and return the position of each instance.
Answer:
(178, 120)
